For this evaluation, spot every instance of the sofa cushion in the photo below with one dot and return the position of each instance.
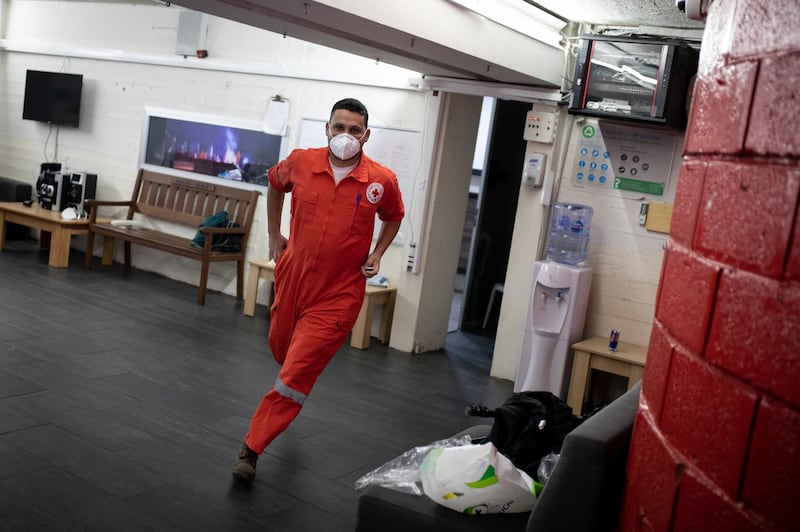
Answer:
(11, 190)
(385, 510)
(583, 493)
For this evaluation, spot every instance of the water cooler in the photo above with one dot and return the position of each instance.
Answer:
(557, 308)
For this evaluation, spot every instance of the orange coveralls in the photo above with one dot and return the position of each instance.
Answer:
(319, 287)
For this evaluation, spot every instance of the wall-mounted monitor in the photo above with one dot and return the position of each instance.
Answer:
(53, 97)
(637, 79)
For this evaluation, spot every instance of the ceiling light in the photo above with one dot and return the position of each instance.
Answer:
(519, 16)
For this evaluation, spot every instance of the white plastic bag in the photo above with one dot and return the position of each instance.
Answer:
(476, 479)
(403, 473)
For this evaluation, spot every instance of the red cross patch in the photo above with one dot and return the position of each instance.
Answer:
(374, 192)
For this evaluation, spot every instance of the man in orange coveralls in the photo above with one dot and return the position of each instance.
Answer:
(321, 268)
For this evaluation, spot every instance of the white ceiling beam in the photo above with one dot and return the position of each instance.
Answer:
(503, 91)
(433, 37)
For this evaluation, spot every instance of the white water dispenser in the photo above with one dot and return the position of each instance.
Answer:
(557, 308)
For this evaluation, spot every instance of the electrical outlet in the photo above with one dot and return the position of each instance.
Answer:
(643, 213)
(411, 258)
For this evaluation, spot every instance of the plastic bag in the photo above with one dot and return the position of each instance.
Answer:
(476, 479)
(546, 467)
(403, 473)
(379, 280)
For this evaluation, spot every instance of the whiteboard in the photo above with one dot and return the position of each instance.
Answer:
(397, 149)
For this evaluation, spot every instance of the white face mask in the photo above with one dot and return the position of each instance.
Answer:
(345, 146)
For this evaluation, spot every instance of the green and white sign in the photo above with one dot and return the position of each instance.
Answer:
(637, 185)
(622, 160)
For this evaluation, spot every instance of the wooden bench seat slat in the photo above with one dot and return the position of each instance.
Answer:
(153, 238)
(180, 201)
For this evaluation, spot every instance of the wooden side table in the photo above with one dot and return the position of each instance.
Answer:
(375, 296)
(627, 361)
(362, 331)
(57, 231)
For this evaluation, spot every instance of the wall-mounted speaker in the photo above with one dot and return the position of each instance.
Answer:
(192, 32)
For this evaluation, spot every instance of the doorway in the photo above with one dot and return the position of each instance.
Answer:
(489, 219)
(479, 162)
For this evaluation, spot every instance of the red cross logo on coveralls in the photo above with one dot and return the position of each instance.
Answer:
(374, 192)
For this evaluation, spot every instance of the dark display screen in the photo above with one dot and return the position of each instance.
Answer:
(53, 97)
(222, 151)
(633, 79)
(624, 77)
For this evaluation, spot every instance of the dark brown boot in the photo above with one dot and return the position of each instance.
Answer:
(245, 466)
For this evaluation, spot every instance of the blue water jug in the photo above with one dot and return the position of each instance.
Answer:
(568, 233)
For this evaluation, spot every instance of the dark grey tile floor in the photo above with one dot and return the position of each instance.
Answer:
(123, 404)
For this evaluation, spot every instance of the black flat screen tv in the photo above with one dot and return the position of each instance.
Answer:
(638, 79)
(53, 97)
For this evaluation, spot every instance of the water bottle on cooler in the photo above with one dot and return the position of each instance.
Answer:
(568, 233)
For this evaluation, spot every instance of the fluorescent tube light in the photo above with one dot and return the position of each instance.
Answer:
(519, 16)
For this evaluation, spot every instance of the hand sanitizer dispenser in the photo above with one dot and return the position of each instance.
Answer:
(533, 173)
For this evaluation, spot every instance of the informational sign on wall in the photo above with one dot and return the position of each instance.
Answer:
(622, 160)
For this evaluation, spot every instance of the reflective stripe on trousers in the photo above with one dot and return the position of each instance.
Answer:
(286, 391)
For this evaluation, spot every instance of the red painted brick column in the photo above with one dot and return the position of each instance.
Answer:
(716, 444)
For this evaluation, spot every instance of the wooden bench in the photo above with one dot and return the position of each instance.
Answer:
(362, 330)
(178, 200)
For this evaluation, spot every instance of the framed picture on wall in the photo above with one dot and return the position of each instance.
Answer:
(228, 149)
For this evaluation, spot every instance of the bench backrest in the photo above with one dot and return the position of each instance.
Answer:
(187, 201)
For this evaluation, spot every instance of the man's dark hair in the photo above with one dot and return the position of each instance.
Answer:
(352, 105)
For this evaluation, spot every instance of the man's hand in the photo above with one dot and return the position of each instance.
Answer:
(277, 244)
(371, 267)
(385, 237)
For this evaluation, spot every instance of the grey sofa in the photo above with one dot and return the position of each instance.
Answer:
(12, 190)
(583, 493)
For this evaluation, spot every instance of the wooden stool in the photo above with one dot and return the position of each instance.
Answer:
(627, 361)
(362, 331)
(258, 269)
